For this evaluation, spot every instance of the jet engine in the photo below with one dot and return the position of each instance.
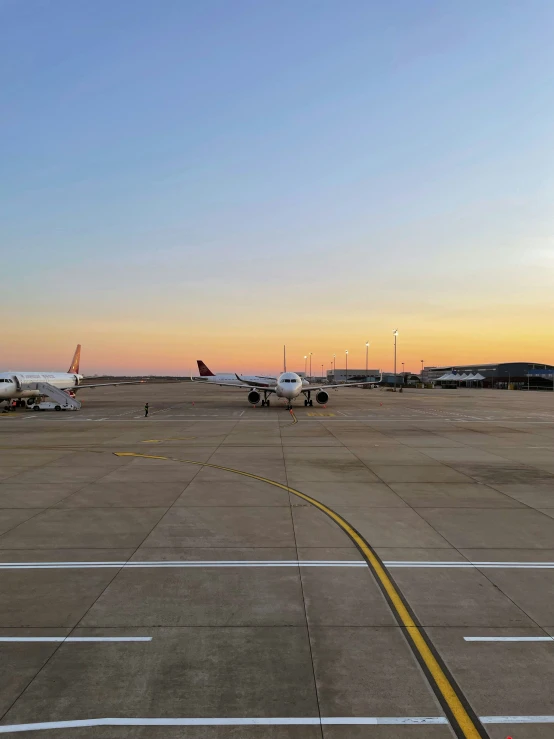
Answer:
(254, 397)
(322, 397)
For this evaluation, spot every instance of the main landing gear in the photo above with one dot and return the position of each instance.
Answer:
(265, 401)
(308, 401)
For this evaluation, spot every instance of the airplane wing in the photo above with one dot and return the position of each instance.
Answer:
(341, 384)
(105, 384)
(243, 386)
(256, 384)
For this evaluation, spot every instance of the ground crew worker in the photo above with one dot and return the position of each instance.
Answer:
(146, 410)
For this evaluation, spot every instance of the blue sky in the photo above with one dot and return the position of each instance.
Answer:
(206, 159)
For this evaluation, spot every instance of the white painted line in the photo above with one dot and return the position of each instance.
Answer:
(509, 638)
(380, 721)
(478, 565)
(308, 721)
(331, 721)
(517, 719)
(178, 563)
(392, 564)
(74, 638)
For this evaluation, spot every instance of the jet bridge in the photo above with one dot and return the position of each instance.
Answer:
(55, 394)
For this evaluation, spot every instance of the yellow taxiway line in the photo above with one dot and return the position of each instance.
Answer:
(464, 721)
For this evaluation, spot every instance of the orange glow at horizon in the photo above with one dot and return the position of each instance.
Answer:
(162, 350)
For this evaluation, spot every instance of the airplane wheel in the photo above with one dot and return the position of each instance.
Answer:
(263, 403)
(311, 402)
(267, 403)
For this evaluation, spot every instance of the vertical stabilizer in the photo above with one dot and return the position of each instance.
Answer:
(203, 369)
(74, 366)
(284, 358)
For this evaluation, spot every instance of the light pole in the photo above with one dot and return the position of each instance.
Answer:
(322, 372)
(346, 352)
(366, 355)
(334, 367)
(403, 374)
(305, 364)
(310, 366)
(395, 334)
(422, 369)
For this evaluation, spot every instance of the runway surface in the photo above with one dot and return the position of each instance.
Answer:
(381, 567)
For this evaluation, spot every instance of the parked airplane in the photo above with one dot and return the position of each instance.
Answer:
(206, 375)
(288, 385)
(18, 385)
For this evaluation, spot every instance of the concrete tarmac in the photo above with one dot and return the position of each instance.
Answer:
(144, 597)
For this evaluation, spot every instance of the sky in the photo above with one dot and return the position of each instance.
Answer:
(213, 179)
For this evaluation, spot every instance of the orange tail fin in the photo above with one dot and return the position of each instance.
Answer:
(74, 366)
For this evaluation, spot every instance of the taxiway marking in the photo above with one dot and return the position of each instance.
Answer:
(462, 719)
(258, 721)
(390, 564)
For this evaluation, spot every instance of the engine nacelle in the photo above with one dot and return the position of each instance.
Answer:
(322, 397)
(254, 397)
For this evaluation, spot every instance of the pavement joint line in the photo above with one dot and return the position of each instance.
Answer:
(258, 721)
(463, 721)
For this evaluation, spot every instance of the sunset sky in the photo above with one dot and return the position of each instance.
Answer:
(211, 179)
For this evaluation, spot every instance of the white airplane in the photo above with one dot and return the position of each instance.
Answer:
(17, 385)
(288, 385)
(206, 375)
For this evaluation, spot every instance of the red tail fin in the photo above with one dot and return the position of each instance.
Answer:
(74, 366)
(204, 371)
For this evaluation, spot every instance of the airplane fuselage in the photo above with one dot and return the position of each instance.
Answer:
(12, 384)
(289, 385)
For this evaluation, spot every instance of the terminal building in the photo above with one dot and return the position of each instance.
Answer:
(353, 375)
(532, 375)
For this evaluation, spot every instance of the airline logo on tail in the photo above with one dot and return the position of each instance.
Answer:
(74, 366)
(204, 371)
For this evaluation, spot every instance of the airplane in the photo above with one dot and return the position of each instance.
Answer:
(18, 385)
(206, 375)
(288, 385)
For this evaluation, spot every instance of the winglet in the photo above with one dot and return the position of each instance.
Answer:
(203, 369)
(74, 366)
